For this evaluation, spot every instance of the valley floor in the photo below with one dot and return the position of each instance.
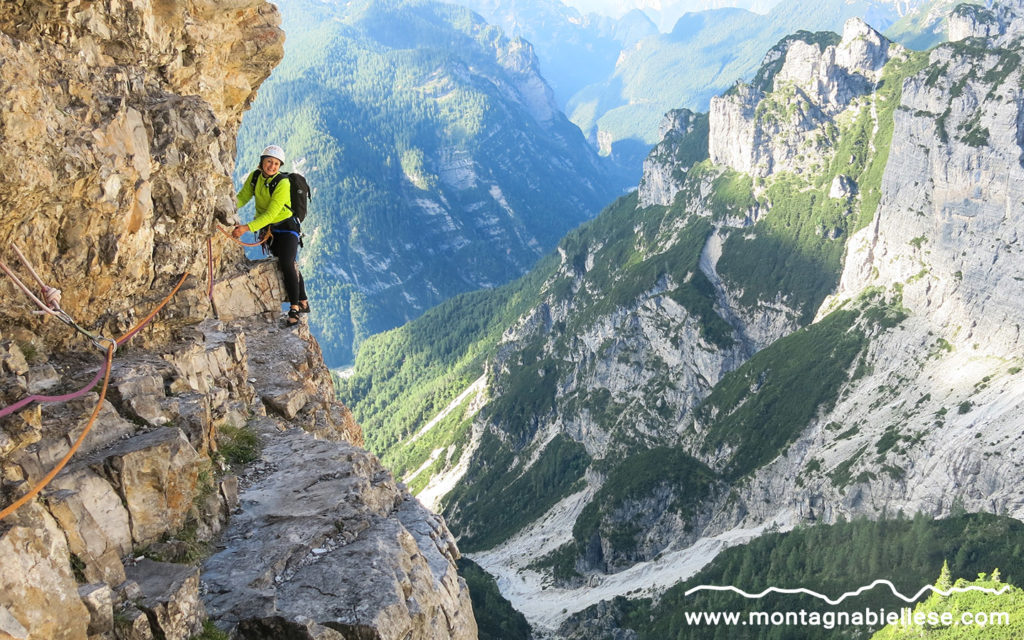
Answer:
(546, 607)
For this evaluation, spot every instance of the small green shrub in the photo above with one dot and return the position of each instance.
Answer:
(210, 632)
(239, 445)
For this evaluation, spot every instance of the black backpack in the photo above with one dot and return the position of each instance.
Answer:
(300, 192)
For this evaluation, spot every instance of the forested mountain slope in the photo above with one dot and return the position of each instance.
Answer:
(809, 312)
(438, 159)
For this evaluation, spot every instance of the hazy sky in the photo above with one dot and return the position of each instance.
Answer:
(665, 12)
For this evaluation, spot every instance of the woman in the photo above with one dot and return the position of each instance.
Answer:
(273, 210)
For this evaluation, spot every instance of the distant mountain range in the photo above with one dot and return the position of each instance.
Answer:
(665, 13)
(440, 159)
(636, 74)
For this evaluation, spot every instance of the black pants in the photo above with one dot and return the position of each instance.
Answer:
(286, 247)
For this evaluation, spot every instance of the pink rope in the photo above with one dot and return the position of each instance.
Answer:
(21, 404)
(24, 402)
(25, 290)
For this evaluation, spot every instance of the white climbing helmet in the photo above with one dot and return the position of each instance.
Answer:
(273, 151)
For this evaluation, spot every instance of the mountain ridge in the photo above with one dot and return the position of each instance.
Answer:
(633, 342)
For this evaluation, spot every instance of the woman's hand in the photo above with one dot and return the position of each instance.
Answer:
(239, 230)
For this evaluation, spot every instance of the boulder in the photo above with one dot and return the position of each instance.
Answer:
(170, 598)
(37, 586)
(156, 474)
(99, 600)
(95, 522)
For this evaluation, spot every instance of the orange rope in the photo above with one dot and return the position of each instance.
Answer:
(146, 320)
(103, 394)
(81, 438)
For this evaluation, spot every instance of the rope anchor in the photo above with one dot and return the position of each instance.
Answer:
(50, 304)
(108, 349)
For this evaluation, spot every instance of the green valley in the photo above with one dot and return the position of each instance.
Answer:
(438, 161)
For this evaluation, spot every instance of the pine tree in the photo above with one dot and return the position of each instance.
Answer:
(944, 583)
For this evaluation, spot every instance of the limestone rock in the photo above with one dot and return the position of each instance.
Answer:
(10, 628)
(299, 628)
(170, 598)
(290, 377)
(972, 21)
(250, 292)
(99, 600)
(156, 474)
(54, 439)
(133, 624)
(119, 120)
(329, 538)
(12, 358)
(842, 187)
(764, 133)
(139, 379)
(37, 587)
(665, 168)
(42, 378)
(862, 50)
(731, 137)
(95, 522)
(212, 358)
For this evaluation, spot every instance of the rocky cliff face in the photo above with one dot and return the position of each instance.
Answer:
(946, 238)
(683, 137)
(118, 121)
(120, 118)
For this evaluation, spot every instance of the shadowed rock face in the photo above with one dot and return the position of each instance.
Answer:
(118, 120)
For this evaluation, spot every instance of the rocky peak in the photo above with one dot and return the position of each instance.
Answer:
(761, 132)
(684, 141)
(862, 49)
(1000, 23)
(972, 21)
(833, 76)
(519, 59)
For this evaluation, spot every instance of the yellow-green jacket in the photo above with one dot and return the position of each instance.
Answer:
(270, 208)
